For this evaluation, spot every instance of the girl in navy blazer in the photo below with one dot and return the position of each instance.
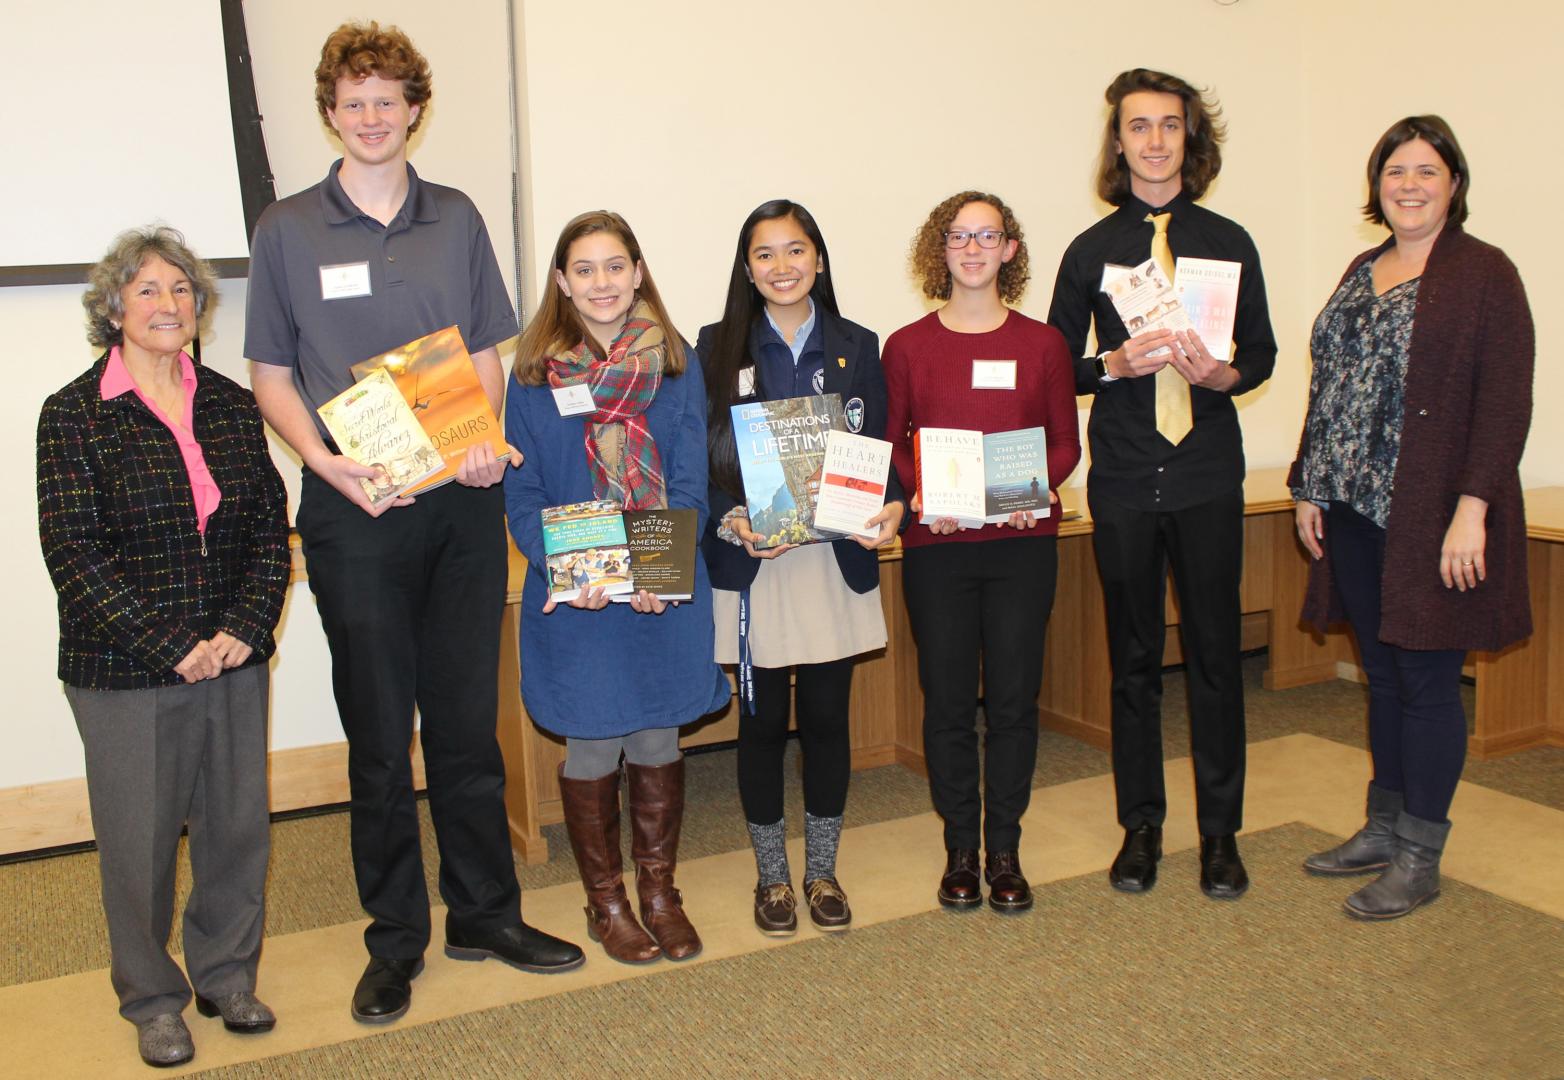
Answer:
(805, 611)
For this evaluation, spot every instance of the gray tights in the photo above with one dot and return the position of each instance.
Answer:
(590, 759)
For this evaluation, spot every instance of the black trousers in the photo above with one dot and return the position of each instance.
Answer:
(1204, 546)
(411, 604)
(981, 605)
(822, 694)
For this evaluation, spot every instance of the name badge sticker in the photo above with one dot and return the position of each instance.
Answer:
(747, 381)
(344, 280)
(993, 374)
(574, 400)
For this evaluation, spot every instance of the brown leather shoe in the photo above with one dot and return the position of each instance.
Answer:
(828, 908)
(656, 811)
(776, 910)
(592, 820)
(1008, 891)
(960, 889)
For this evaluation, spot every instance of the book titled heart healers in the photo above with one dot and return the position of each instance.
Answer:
(852, 483)
(781, 449)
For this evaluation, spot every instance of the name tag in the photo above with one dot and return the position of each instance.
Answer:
(344, 280)
(746, 381)
(574, 400)
(993, 374)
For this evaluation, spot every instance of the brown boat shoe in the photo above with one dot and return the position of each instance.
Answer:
(828, 908)
(776, 909)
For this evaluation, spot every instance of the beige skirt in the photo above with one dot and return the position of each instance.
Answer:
(801, 612)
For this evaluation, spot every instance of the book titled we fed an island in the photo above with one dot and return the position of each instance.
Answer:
(781, 450)
(981, 479)
(437, 379)
(596, 545)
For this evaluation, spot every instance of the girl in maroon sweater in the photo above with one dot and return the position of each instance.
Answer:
(979, 598)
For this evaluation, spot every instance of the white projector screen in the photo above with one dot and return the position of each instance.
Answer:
(125, 121)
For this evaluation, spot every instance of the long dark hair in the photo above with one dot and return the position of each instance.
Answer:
(1203, 134)
(730, 342)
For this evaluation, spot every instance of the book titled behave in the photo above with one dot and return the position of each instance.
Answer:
(981, 479)
(440, 385)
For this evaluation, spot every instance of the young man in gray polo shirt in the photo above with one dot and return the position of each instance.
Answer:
(410, 593)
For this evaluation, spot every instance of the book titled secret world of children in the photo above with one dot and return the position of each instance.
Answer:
(372, 425)
(781, 451)
(438, 381)
(585, 547)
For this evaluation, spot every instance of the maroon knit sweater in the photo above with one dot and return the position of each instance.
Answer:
(928, 381)
(1467, 411)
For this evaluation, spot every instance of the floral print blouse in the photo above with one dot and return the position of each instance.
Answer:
(1356, 395)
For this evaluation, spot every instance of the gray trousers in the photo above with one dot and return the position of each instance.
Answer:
(157, 759)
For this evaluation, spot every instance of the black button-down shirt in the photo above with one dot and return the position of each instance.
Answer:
(1130, 462)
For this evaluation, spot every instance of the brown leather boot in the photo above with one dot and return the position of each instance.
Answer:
(656, 811)
(592, 819)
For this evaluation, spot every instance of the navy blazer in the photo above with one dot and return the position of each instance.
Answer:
(852, 369)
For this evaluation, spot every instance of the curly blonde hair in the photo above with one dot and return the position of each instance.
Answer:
(927, 257)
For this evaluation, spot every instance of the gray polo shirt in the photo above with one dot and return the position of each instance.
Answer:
(432, 267)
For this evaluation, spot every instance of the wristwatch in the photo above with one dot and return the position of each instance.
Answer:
(1101, 363)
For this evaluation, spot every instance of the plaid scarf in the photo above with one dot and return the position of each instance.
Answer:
(621, 453)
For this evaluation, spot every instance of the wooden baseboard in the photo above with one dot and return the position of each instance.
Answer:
(1325, 671)
(56, 814)
(1491, 746)
(1075, 728)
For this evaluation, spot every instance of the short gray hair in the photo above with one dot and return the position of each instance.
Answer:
(119, 266)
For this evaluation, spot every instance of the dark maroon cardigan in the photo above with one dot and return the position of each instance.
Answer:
(1467, 411)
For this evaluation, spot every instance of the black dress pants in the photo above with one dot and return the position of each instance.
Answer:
(1204, 546)
(981, 605)
(411, 604)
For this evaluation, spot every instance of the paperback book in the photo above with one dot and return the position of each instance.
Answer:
(852, 483)
(981, 479)
(585, 547)
(1144, 298)
(662, 553)
(372, 424)
(1208, 291)
(781, 451)
(438, 381)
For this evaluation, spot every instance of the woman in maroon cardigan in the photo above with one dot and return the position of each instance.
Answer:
(1409, 498)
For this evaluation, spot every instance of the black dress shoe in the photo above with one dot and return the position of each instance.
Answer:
(1222, 875)
(1135, 867)
(520, 946)
(385, 990)
(960, 888)
(1008, 891)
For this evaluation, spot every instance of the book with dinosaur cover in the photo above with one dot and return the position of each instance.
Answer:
(371, 424)
(440, 384)
(781, 448)
(585, 547)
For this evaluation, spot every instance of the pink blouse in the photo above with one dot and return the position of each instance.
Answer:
(203, 489)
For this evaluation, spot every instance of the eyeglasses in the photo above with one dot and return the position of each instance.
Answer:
(989, 238)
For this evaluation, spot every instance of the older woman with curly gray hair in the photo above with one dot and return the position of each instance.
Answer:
(164, 527)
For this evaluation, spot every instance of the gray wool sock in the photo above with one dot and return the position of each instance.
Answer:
(771, 852)
(822, 835)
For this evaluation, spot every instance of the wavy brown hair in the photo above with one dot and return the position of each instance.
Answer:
(1436, 133)
(358, 50)
(557, 326)
(927, 257)
(1203, 134)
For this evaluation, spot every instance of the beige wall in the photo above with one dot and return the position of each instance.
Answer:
(869, 114)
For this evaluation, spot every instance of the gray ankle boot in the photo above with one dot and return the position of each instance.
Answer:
(1371, 847)
(1412, 877)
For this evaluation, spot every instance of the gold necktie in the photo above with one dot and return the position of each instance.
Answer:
(1174, 417)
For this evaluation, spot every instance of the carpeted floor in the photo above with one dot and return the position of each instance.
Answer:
(52, 922)
(1088, 984)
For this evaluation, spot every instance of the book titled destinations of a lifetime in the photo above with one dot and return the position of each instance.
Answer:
(781, 449)
(981, 479)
